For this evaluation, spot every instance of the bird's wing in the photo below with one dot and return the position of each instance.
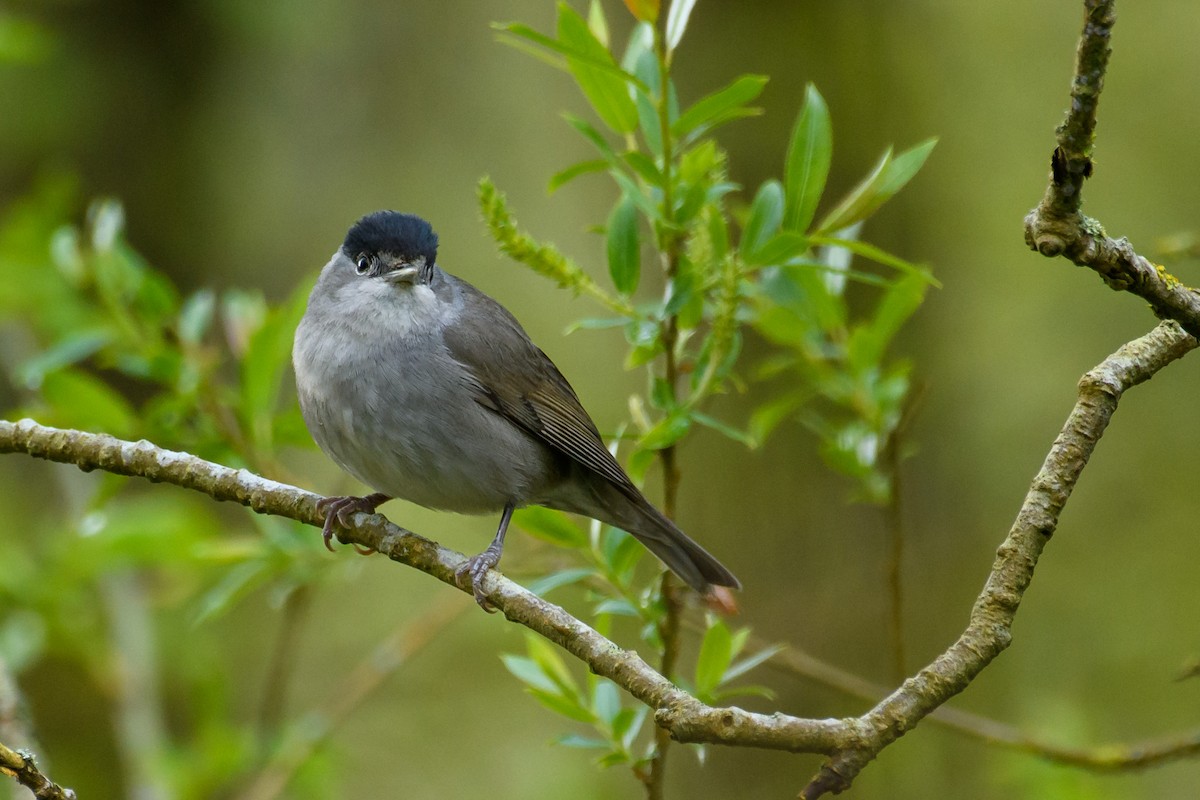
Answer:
(514, 378)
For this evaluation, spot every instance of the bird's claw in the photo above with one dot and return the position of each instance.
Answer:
(475, 569)
(339, 510)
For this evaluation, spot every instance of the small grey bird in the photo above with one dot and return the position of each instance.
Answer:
(426, 389)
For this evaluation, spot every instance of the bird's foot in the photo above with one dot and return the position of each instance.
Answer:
(338, 511)
(475, 570)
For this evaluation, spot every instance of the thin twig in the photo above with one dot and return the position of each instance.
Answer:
(1058, 228)
(1112, 757)
(292, 617)
(363, 681)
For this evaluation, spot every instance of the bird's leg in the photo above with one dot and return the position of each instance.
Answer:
(341, 509)
(477, 566)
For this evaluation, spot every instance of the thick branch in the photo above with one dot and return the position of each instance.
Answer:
(990, 628)
(1058, 228)
(695, 721)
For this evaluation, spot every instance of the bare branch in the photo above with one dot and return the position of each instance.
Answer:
(1058, 228)
(20, 765)
(990, 629)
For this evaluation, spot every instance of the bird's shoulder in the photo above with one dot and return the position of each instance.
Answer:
(513, 377)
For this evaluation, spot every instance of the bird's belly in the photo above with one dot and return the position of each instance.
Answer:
(411, 434)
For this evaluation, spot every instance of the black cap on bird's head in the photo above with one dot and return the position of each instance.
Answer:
(405, 236)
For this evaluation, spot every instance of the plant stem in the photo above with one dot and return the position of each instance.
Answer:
(669, 626)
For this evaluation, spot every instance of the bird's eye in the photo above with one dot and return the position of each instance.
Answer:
(363, 265)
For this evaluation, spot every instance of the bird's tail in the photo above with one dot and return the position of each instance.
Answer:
(627, 509)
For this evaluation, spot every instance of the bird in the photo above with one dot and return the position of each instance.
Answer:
(424, 388)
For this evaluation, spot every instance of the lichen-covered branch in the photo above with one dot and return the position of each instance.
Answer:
(990, 628)
(1057, 227)
(20, 765)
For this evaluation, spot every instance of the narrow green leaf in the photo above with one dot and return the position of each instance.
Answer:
(589, 132)
(677, 20)
(869, 341)
(606, 703)
(889, 176)
(528, 672)
(725, 429)
(715, 653)
(550, 526)
(565, 577)
(644, 166)
(71, 349)
(780, 249)
(563, 177)
(735, 95)
(80, 400)
(669, 430)
(748, 663)
(624, 246)
(597, 24)
(605, 87)
(602, 63)
(196, 316)
(809, 155)
(766, 418)
(879, 256)
(547, 657)
(764, 220)
(566, 706)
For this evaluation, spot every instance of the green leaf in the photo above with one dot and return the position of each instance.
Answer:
(621, 553)
(677, 20)
(721, 102)
(550, 526)
(780, 249)
(603, 63)
(624, 246)
(740, 668)
(764, 219)
(563, 177)
(766, 418)
(196, 316)
(879, 256)
(809, 155)
(889, 176)
(528, 672)
(71, 349)
(868, 342)
(267, 356)
(555, 580)
(606, 703)
(726, 429)
(234, 584)
(669, 430)
(716, 651)
(597, 24)
(644, 166)
(605, 87)
(547, 657)
(80, 400)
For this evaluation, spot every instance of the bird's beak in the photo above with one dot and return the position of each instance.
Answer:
(406, 274)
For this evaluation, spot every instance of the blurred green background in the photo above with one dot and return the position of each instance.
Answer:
(244, 138)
